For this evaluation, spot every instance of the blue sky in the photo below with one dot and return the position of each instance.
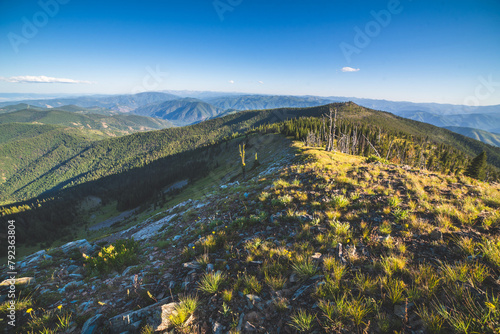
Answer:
(421, 51)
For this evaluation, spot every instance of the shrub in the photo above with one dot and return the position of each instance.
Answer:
(116, 256)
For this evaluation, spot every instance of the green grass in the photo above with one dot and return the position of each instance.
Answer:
(211, 283)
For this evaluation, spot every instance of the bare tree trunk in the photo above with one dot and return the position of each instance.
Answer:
(372, 146)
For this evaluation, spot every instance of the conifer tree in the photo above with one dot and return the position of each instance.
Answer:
(477, 166)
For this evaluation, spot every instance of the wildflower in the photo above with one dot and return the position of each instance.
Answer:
(59, 307)
(29, 310)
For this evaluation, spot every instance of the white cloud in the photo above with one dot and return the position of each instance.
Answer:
(261, 82)
(349, 69)
(231, 82)
(42, 79)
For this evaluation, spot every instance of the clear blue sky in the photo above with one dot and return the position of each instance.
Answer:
(426, 51)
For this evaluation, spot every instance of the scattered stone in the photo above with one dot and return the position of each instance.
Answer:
(177, 237)
(210, 267)
(294, 278)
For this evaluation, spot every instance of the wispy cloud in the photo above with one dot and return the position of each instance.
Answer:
(42, 79)
(261, 82)
(231, 82)
(349, 69)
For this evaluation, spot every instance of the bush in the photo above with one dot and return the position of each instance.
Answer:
(116, 256)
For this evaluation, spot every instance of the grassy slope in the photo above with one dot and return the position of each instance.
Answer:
(116, 155)
(407, 239)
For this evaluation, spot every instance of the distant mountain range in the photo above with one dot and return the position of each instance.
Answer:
(121, 103)
(259, 102)
(181, 112)
(190, 107)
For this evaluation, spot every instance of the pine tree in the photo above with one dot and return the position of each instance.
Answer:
(477, 166)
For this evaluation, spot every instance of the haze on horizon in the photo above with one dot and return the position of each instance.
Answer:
(418, 51)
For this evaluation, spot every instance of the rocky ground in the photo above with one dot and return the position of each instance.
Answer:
(315, 242)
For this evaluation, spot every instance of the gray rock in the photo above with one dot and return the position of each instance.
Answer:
(92, 325)
(126, 321)
(249, 327)
(294, 278)
(217, 328)
(436, 235)
(82, 245)
(301, 291)
(400, 310)
(72, 268)
(73, 284)
(191, 265)
(210, 267)
(177, 237)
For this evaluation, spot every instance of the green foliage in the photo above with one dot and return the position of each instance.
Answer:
(210, 283)
(476, 168)
(116, 256)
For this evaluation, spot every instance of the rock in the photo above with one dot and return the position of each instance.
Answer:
(177, 237)
(217, 328)
(316, 257)
(253, 300)
(76, 276)
(35, 257)
(73, 284)
(400, 310)
(166, 312)
(127, 270)
(191, 265)
(294, 278)
(301, 291)
(82, 245)
(249, 327)
(92, 325)
(210, 267)
(240, 322)
(84, 306)
(72, 268)
(254, 318)
(19, 281)
(153, 315)
(436, 235)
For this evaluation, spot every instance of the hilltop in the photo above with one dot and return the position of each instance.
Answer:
(306, 240)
